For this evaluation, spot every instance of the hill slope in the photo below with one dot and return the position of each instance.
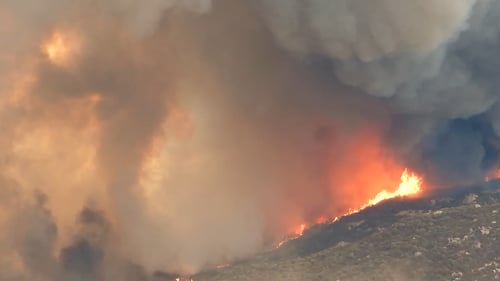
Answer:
(443, 237)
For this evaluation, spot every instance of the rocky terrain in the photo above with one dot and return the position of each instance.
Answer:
(445, 236)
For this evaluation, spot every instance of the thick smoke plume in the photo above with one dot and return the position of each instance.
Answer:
(172, 136)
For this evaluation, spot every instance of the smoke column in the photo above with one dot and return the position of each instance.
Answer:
(177, 135)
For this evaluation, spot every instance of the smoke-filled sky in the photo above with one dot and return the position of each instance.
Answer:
(175, 135)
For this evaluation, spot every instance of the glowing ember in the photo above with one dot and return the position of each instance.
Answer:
(411, 185)
(492, 176)
(60, 48)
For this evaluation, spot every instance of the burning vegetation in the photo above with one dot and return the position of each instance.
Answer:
(410, 186)
(263, 117)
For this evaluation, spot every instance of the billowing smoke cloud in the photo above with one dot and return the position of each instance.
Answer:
(364, 30)
(429, 62)
(176, 135)
(397, 49)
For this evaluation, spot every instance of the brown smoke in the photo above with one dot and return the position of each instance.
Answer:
(177, 135)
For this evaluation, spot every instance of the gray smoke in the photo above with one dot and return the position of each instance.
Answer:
(400, 49)
(176, 135)
(424, 59)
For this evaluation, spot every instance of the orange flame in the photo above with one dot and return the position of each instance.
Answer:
(493, 175)
(300, 230)
(60, 48)
(411, 185)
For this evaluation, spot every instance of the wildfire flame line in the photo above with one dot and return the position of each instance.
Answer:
(411, 185)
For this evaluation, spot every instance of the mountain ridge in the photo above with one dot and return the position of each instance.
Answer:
(447, 235)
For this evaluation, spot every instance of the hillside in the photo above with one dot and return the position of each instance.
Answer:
(446, 236)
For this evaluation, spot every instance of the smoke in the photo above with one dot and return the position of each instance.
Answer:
(428, 62)
(363, 30)
(397, 49)
(176, 135)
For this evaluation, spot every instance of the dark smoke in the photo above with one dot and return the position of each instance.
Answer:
(85, 255)
(443, 74)
(184, 134)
